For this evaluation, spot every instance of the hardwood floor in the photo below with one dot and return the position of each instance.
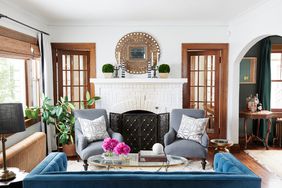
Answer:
(269, 180)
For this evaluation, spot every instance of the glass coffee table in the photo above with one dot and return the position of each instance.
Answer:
(132, 162)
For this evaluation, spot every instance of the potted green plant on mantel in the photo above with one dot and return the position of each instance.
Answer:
(164, 70)
(108, 70)
(61, 116)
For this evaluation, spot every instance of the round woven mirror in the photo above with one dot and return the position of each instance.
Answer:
(135, 50)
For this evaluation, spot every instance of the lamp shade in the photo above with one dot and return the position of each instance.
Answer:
(11, 118)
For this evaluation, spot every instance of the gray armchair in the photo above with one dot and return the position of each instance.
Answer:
(182, 147)
(83, 148)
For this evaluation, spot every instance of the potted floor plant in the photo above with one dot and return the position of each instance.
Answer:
(61, 116)
(108, 70)
(164, 70)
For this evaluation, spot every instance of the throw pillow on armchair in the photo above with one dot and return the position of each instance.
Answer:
(94, 130)
(192, 129)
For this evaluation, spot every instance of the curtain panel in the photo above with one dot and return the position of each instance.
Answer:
(264, 82)
(47, 74)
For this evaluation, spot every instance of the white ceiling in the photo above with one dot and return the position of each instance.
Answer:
(106, 11)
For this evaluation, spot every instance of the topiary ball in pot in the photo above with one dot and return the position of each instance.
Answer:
(164, 70)
(108, 70)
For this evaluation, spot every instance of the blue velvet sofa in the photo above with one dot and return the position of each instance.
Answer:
(229, 173)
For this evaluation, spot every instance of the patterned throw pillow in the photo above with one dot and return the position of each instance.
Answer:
(192, 129)
(95, 129)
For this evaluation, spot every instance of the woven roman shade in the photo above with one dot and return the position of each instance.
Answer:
(16, 44)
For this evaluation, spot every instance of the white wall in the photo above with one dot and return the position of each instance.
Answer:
(169, 38)
(246, 30)
(15, 12)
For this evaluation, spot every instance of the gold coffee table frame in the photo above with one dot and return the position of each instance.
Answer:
(132, 162)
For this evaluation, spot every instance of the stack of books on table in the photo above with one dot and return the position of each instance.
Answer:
(150, 156)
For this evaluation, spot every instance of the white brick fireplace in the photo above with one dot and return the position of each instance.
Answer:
(156, 95)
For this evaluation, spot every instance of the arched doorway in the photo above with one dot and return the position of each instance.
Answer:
(250, 75)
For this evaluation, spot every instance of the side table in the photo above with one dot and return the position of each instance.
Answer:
(221, 145)
(264, 114)
(17, 182)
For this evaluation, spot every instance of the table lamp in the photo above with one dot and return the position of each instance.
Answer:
(11, 121)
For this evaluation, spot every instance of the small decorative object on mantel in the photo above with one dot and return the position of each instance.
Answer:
(149, 70)
(117, 66)
(108, 70)
(116, 69)
(122, 70)
(155, 68)
(164, 70)
(252, 103)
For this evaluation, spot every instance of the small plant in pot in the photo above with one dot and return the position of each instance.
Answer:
(32, 113)
(61, 116)
(108, 70)
(164, 70)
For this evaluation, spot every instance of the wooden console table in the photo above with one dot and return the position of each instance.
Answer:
(264, 114)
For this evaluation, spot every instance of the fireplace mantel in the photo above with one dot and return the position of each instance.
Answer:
(122, 94)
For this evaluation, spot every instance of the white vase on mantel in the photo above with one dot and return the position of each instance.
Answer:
(163, 75)
(108, 74)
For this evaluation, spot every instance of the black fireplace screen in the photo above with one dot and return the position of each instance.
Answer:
(140, 129)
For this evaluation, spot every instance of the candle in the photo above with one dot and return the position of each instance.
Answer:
(118, 58)
(152, 58)
(157, 58)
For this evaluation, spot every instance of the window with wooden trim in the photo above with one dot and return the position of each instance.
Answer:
(276, 81)
(19, 81)
(73, 65)
(19, 68)
(73, 70)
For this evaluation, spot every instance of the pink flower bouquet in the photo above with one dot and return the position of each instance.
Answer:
(122, 149)
(113, 149)
(109, 144)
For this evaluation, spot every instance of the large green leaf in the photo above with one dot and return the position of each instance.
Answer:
(97, 98)
(90, 102)
(45, 116)
(71, 106)
(88, 97)
(59, 111)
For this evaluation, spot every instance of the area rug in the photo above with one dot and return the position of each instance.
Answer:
(191, 166)
(269, 159)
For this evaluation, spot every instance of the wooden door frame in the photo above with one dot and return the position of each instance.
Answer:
(223, 82)
(89, 47)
